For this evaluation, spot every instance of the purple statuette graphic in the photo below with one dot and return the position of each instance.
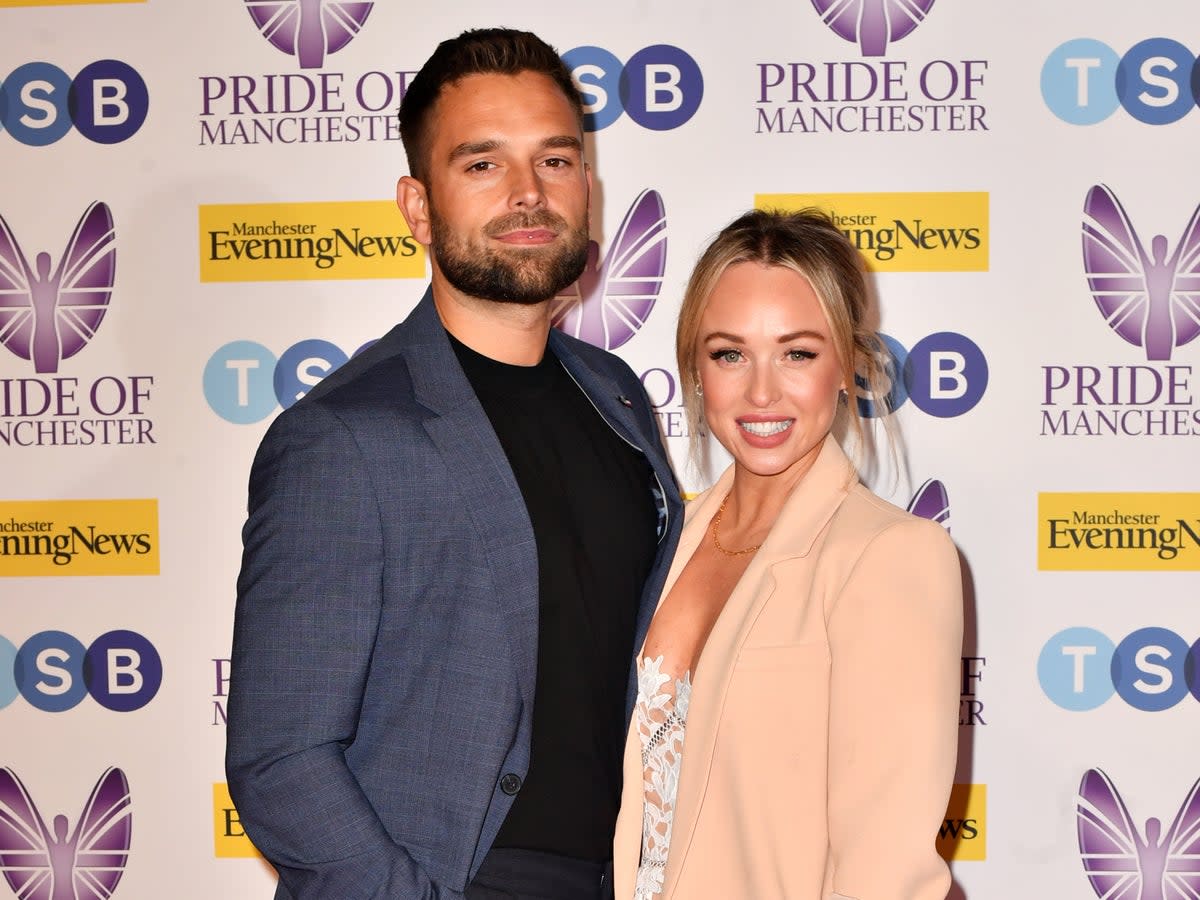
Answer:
(309, 29)
(932, 502)
(1119, 864)
(611, 302)
(872, 23)
(1152, 302)
(40, 865)
(48, 318)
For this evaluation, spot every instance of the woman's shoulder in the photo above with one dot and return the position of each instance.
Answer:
(865, 516)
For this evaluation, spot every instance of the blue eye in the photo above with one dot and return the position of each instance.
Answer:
(727, 354)
(799, 355)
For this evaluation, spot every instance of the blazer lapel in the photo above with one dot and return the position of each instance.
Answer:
(805, 513)
(464, 437)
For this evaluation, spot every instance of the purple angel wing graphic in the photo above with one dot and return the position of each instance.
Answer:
(1119, 864)
(309, 29)
(42, 865)
(1149, 300)
(932, 502)
(611, 301)
(48, 318)
(872, 24)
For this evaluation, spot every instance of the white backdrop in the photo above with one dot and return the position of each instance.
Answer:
(199, 136)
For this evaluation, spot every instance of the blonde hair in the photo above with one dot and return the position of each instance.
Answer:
(808, 243)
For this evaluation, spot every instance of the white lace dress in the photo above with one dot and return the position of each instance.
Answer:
(661, 717)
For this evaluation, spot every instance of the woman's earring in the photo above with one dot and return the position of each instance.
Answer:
(699, 390)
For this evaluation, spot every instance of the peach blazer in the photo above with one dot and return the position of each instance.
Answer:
(823, 725)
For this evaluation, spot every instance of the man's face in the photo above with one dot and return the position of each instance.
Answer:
(507, 188)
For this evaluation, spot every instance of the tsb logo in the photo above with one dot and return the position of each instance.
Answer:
(944, 374)
(1152, 669)
(54, 671)
(107, 101)
(1084, 81)
(244, 382)
(660, 87)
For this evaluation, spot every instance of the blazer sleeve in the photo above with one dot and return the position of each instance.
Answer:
(308, 607)
(895, 637)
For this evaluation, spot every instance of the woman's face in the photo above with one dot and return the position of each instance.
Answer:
(768, 369)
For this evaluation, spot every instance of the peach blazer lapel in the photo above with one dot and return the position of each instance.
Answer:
(805, 513)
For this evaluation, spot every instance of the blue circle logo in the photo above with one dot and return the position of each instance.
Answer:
(107, 102)
(661, 87)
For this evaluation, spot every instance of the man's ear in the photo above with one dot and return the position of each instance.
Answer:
(413, 199)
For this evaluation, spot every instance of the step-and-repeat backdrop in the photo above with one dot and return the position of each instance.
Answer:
(196, 226)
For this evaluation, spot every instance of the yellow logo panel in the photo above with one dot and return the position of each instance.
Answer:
(963, 835)
(78, 537)
(307, 241)
(6, 4)
(229, 838)
(905, 232)
(1155, 532)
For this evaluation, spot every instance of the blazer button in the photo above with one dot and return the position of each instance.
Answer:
(510, 783)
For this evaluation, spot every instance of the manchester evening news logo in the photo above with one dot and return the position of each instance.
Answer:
(1123, 860)
(1149, 297)
(48, 863)
(612, 300)
(875, 93)
(78, 537)
(229, 837)
(905, 231)
(308, 29)
(307, 241)
(963, 834)
(1142, 532)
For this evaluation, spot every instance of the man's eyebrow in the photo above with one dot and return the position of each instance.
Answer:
(471, 148)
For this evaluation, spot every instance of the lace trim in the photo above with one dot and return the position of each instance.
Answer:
(661, 719)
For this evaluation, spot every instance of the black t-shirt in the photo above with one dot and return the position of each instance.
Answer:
(588, 494)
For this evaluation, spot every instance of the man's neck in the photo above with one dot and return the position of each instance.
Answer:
(513, 333)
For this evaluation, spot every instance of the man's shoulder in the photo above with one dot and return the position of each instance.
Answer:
(602, 361)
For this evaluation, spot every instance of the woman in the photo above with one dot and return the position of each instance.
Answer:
(821, 626)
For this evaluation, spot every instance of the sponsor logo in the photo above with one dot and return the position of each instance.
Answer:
(308, 29)
(963, 835)
(905, 232)
(229, 838)
(307, 241)
(660, 88)
(1122, 860)
(931, 502)
(1151, 301)
(1152, 669)
(44, 317)
(944, 374)
(970, 704)
(40, 863)
(47, 318)
(1084, 81)
(106, 102)
(220, 689)
(244, 382)
(611, 302)
(315, 105)
(1118, 532)
(8, 4)
(53, 671)
(78, 537)
(872, 24)
(872, 94)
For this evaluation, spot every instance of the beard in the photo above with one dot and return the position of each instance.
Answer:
(522, 275)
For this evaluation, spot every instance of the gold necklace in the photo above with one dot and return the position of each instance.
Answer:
(716, 523)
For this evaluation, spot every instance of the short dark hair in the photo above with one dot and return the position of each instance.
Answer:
(477, 51)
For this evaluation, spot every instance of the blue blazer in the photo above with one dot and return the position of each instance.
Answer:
(385, 639)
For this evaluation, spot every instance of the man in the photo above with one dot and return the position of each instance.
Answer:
(455, 541)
